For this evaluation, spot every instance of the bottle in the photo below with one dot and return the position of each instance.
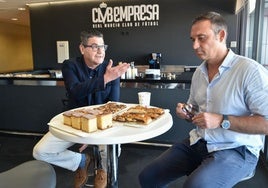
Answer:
(134, 71)
(123, 76)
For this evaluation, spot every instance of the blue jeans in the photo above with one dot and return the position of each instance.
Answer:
(223, 168)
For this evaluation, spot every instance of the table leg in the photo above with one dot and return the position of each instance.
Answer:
(112, 165)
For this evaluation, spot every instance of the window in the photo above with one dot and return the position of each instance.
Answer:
(263, 59)
(250, 15)
(254, 30)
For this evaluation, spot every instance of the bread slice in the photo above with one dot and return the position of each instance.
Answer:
(92, 111)
(76, 120)
(89, 123)
(67, 118)
(104, 121)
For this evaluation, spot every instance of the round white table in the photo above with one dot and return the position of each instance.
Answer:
(120, 133)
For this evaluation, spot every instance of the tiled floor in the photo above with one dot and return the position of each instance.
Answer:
(15, 150)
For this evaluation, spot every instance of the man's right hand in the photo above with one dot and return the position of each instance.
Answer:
(180, 112)
(113, 73)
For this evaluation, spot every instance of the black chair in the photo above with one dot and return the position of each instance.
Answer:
(37, 174)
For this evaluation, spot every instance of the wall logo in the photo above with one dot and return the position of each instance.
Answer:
(144, 15)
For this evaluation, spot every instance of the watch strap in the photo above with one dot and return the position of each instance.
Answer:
(225, 117)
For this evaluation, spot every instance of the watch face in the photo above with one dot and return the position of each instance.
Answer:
(225, 124)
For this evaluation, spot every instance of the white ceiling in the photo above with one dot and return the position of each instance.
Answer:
(9, 10)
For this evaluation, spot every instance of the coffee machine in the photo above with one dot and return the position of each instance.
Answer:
(154, 66)
(155, 61)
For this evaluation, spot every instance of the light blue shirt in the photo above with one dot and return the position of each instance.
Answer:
(239, 89)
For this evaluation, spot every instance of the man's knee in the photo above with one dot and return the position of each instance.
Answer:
(38, 153)
(144, 178)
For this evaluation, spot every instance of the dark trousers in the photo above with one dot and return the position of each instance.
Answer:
(223, 168)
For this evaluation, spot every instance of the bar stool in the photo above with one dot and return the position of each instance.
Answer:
(96, 164)
(38, 174)
(93, 166)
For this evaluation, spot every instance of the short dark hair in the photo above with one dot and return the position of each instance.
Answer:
(217, 21)
(85, 35)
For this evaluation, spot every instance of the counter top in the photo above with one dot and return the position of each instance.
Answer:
(32, 78)
(184, 77)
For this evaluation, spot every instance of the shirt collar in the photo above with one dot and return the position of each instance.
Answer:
(227, 62)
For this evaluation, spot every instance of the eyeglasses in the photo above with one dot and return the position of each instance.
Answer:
(96, 47)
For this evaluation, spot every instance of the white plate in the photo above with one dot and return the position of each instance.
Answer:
(57, 122)
(141, 125)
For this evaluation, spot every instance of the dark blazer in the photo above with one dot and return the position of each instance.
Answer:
(85, 86)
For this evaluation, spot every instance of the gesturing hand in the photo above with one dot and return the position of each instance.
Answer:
(114, 72)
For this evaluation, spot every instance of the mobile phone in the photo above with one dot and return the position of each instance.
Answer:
(190, 110)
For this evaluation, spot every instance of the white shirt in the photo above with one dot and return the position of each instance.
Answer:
(239, 89)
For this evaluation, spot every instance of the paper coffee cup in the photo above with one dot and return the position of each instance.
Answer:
(144, 98)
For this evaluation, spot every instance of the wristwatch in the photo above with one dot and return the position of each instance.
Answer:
(225, 123)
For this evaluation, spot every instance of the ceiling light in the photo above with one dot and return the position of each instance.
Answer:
(21, 8)
(68, 1)
(14, 19)
(37, 4)
(55, 2)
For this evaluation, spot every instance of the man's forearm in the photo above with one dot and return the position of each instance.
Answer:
(254, 124)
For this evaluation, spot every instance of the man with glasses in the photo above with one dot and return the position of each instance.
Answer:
(89, 80)
(229, 94)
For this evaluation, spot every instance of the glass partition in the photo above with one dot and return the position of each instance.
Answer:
(253, 37)
(250, 18)
(263, 58)
(254, 30)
